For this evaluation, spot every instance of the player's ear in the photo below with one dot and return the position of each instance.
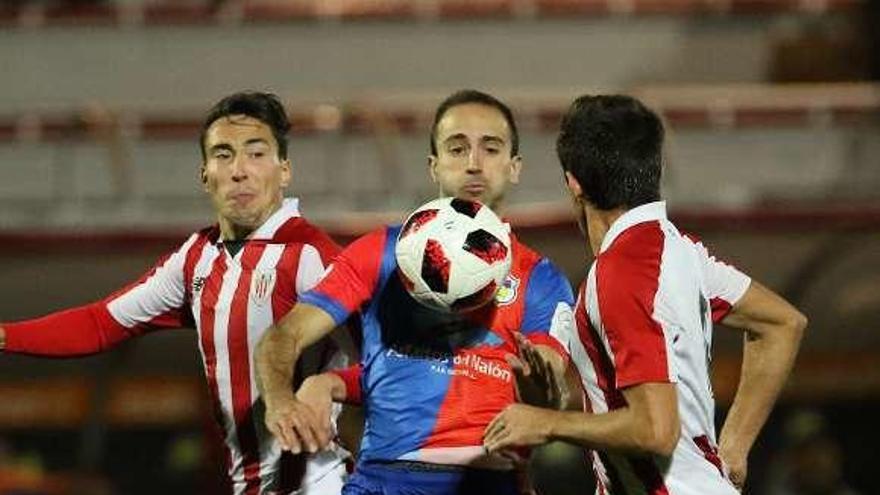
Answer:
(573, 185)
(286, 173)
(516, 164)
(203, 176)
(432, 167)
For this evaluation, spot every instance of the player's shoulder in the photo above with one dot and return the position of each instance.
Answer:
(540, 274)
(300, 230)
(377, 236)
(642, 243)
(522, 253)
(373, 244)
(632, 260)
(530, 262)
(210, 233)
(200, 238)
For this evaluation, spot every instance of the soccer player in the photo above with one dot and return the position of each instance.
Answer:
(644, 325)
(231, 281)
(430, 382)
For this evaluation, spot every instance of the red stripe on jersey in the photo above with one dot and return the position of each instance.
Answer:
(596, 352)
(239, 369)
(627, 280)
(710, 452)
(720, 309)
(210, 293)
(600, 483)
(644, 469)
(189, 264)
(298, 229)
(284, 295)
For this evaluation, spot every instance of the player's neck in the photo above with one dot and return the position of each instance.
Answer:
(233, 232)
(598, 224)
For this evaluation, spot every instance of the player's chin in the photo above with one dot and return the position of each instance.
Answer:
(244, 218)
(474, 194)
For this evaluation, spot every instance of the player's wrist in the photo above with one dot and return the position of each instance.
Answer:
(334, 384)
(2, 338)
(554, 423)
(278, 397)
(325, 384)
(730, 449)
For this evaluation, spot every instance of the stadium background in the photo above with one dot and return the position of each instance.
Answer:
(772, 105)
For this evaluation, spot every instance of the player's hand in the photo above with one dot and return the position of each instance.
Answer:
(736, 467)
(536, 383)
(294, 424)
(315, 392)
(2, 338)
(518, 425)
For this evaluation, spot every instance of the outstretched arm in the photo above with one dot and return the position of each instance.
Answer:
(773, 330)
(649, 423)
(294, 423)
(72, 332)
(154, 301)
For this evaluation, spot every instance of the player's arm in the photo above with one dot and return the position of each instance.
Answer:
(648, 424)
(644, 418)
(295, 424)
(542, 362)
(153, 301)
(341, 385)
(320, 391)
(773, 330)
(79, 331)
(347, 284)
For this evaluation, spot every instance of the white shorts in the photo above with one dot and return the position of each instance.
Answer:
(328, 484)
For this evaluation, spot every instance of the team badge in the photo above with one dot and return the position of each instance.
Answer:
(507, 292)
(262, 284)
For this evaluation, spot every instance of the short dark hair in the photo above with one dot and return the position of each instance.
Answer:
(265, 107)
(472, 96)
(613, 146)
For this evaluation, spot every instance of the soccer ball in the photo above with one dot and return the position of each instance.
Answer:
(453, 254)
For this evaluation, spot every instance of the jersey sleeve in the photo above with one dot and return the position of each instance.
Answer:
(310, 270)
(548, 318)
(724, 283)
(351, 376)
(626, 288)
(350, 279)
(156, 300)
(317, 252)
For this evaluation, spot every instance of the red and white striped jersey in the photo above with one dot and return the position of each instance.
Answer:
(231, 300)
(644, 314)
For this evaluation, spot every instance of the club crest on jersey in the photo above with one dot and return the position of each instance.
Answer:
(507, 292)
(262, 284)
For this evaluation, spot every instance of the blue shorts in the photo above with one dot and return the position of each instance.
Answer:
(399, 479)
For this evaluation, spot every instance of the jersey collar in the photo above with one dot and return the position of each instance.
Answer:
(289, 209)
(648, 212)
